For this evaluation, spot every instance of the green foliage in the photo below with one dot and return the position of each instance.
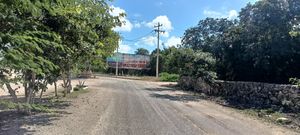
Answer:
(41, 40)
(142, 51)
(198, 64)
(186, 62)
(262, 45)
(24, 106)
(7, 105)
(295, 81)
(75, 94)
(166, 77)
(168, 61)
(76, 89)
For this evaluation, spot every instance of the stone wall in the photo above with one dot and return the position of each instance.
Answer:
(249, 94)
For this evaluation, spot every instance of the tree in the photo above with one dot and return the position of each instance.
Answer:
(142, 51)
(86, 29)
(263, 45)
(273, 52)
(196, 64)
(25, 45)
(186, 62)
(206, 35)
(42, 40)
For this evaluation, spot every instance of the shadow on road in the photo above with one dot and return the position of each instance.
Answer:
(178, 97)
(166, 87)
(184, 97)
(12, 122)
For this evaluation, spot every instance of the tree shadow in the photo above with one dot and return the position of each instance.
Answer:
(13, 122)
(165, 87)
(179, 97)
(194, 96)
(55, 104)
(183, 97)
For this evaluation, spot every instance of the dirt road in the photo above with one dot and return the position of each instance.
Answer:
(127, 107)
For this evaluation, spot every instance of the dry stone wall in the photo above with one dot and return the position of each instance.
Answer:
(249, 94)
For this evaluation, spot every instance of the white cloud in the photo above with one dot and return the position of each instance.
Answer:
(123, 48)
(213, 14)
(127, 25)
(166, 24)
(137, 25)
(116, 11)
(232, 14)
(173, 41)
(150, 40)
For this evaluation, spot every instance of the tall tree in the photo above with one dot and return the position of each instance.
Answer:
(44, 39)
(27, 46)
(86, 29)
(274, 53)
(263, 45)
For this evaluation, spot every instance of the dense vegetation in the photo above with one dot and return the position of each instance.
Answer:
(185, 61)
(42, 40)
(263, 44)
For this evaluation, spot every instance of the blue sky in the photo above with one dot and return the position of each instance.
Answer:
(175, 15)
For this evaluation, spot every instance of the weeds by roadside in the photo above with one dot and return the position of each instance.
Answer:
(44, 105)
(76, 93)
(9, 105)
(166, 77)
(288, 120)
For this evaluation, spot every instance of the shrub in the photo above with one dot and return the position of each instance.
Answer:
(198, 64)
(166, 77)
(295, 81)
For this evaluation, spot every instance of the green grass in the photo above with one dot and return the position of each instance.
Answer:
(9, 105)
(166, 77)
(75, 94)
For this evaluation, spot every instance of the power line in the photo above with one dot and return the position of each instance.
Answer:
(138, 38)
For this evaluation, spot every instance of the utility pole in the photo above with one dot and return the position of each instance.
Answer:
(117, 62)
(158, 31)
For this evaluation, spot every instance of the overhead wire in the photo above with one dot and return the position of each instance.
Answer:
(138, 38)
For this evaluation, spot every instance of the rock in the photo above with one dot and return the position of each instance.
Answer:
(283, 120)
(269, 116)
(279, 97)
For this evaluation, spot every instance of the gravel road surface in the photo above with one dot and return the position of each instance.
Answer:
(129, 107)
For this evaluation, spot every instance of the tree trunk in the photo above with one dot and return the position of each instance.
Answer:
(69, 84)
(41, 95)
(33, 98)
(65, 86)
(55, 88)
(31, 93)
(30, 88)
(25, 88)
(29, 97)
(12, 92)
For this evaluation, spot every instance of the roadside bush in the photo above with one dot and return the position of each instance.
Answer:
(166, 77)
(295, 81)
(198, 64)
